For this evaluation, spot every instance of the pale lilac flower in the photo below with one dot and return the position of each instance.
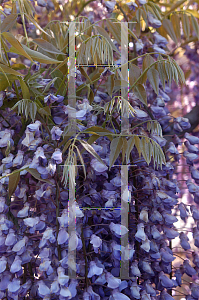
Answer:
(43, 289)
(20, 244)
(62, 236)
(5, 137)
(14, 285)
(16, 265)
(118, 230)
(139, 45)
(113, 282)
(155, 23)
(62, 278)
(165, 281)
(191, 138)
(34, 127)
(140, 234)
(135, 270)
(98, 166)
(145, 245)
(3, 263)
(96, 242)
(73, 241)
(8, 160)
(144, 214)
(18, 159)
(57, 156)
(94, 270)
(31, 222)
(56, 133)
(135, 290)
(24, 211)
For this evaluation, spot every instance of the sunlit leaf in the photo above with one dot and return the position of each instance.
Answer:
(8, 23)
(185, 25)
(16, 45)
(48, 47)
(169, 29)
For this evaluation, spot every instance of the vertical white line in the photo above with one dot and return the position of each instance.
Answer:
(124, 269)
(72, 123)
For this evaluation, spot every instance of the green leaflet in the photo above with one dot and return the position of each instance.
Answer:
(140, 92)
(169, 29)
(8, 22)
(105, 34)
(16, 45)
(195, 25)
(25, 89)
(26, 106)
(40, 57)
(91, 150)
(48, 47)
(37, 175)
(147, 62)
(130, 145)
(9, 70)
(82, 161)
(185, 25)
(115, 148)
(153, 77)
(13, 182)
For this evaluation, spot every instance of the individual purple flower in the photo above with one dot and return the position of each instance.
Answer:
(51, 168)
(43, 289)
(14, 285)
(57, 156)
(135, 290)
(41, 3)
(52, 98)
(118, 230)
(62, 236)
(56, 133)
(16, 265)
(20, 244)
(3, 263)
(195, 212)
(194, 290)
(110, 5)
(165, 281)
(94, 270)
(5, 137)
(155, 23)
(140, 234)
(17, 161)
(191, 148)
(189, 270)
(184, 241)
(34, 127)
(96, 242)
(160, 40)
(191, 138)
(183, 211)
(24, 211)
